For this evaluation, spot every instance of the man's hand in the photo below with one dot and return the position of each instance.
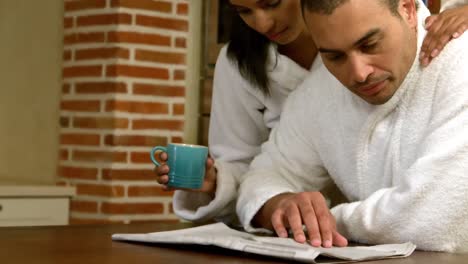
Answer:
(442, 28)
(209, 183)
(292, 211)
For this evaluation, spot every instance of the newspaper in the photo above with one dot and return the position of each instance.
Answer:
(286, 248)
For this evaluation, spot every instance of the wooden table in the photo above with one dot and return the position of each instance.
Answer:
(93, 244)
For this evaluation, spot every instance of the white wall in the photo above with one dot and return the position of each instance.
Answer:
(30, 86)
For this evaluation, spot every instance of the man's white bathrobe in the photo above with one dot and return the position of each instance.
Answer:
(237, 129)
(403, 165)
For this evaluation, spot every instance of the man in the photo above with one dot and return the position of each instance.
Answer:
(391, 134)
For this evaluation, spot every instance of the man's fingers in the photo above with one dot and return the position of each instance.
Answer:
(339, 240)
(310, 221)
(324, 221)
(295, 223)
(277, 221)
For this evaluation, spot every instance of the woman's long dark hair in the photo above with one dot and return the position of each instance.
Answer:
(249, 50)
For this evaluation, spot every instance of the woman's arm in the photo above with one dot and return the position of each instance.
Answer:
(237, 130)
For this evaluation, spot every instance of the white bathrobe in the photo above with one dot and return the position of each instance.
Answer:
(403, 165)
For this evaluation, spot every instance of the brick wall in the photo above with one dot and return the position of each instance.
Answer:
(123, 92)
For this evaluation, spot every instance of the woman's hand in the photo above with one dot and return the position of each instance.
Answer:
(442, 28)
(209, 183)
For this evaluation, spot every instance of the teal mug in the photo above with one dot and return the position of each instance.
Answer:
(186, 164)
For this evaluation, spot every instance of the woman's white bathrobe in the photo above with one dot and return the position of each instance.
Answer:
(403, 165)
(242, 118)
(238, 128)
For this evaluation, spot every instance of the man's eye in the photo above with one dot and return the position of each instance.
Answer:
(369, 47)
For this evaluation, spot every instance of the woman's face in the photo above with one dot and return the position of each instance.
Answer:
(279, 20)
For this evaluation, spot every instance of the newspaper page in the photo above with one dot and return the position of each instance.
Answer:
(286, 248)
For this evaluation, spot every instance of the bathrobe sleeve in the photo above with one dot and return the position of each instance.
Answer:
(237, 130)
(288, 161)
(429, 206)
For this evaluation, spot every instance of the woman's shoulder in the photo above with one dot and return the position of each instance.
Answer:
(229, 82)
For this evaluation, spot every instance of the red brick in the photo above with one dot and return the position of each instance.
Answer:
(64, 121)
(144, 141)
(66, 87)
(79, 139)
(84, 206)
(68, 22)
(84, 4)
(177, 125)
(77, 173)
(98, 156)
(160, 22)
(102, 53)
(137, 107)
(180, 42)
(100, 87)
(137, 72)
(179, 75)
(138, 38)
(88, 37)
(178, 109)
(182, 9)
(147, 191)
(177, 140)
(159, 6)
(160, 57)
(104, 19)
(140, 157)
(82, 71)
(158, 90)
(100, 122)
(63, 154)
(67, 55)
(100, 190)
(128, 174)
(132, 208)
(80, 105)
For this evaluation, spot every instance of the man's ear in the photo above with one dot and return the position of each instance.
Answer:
(408, 12)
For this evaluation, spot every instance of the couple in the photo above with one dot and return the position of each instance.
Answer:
(392, 135)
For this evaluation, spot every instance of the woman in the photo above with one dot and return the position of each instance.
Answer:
(269, 54)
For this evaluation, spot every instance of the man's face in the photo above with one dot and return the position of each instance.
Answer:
(366, 47)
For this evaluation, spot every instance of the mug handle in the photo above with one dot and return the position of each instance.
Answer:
(153, 151)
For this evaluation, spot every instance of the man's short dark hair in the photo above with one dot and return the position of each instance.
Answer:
(327, 7)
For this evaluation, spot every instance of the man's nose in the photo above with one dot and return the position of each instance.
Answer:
(264, 22)
(360, 69)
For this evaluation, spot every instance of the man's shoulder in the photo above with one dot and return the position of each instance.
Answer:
(456, 51)
(450, 68)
